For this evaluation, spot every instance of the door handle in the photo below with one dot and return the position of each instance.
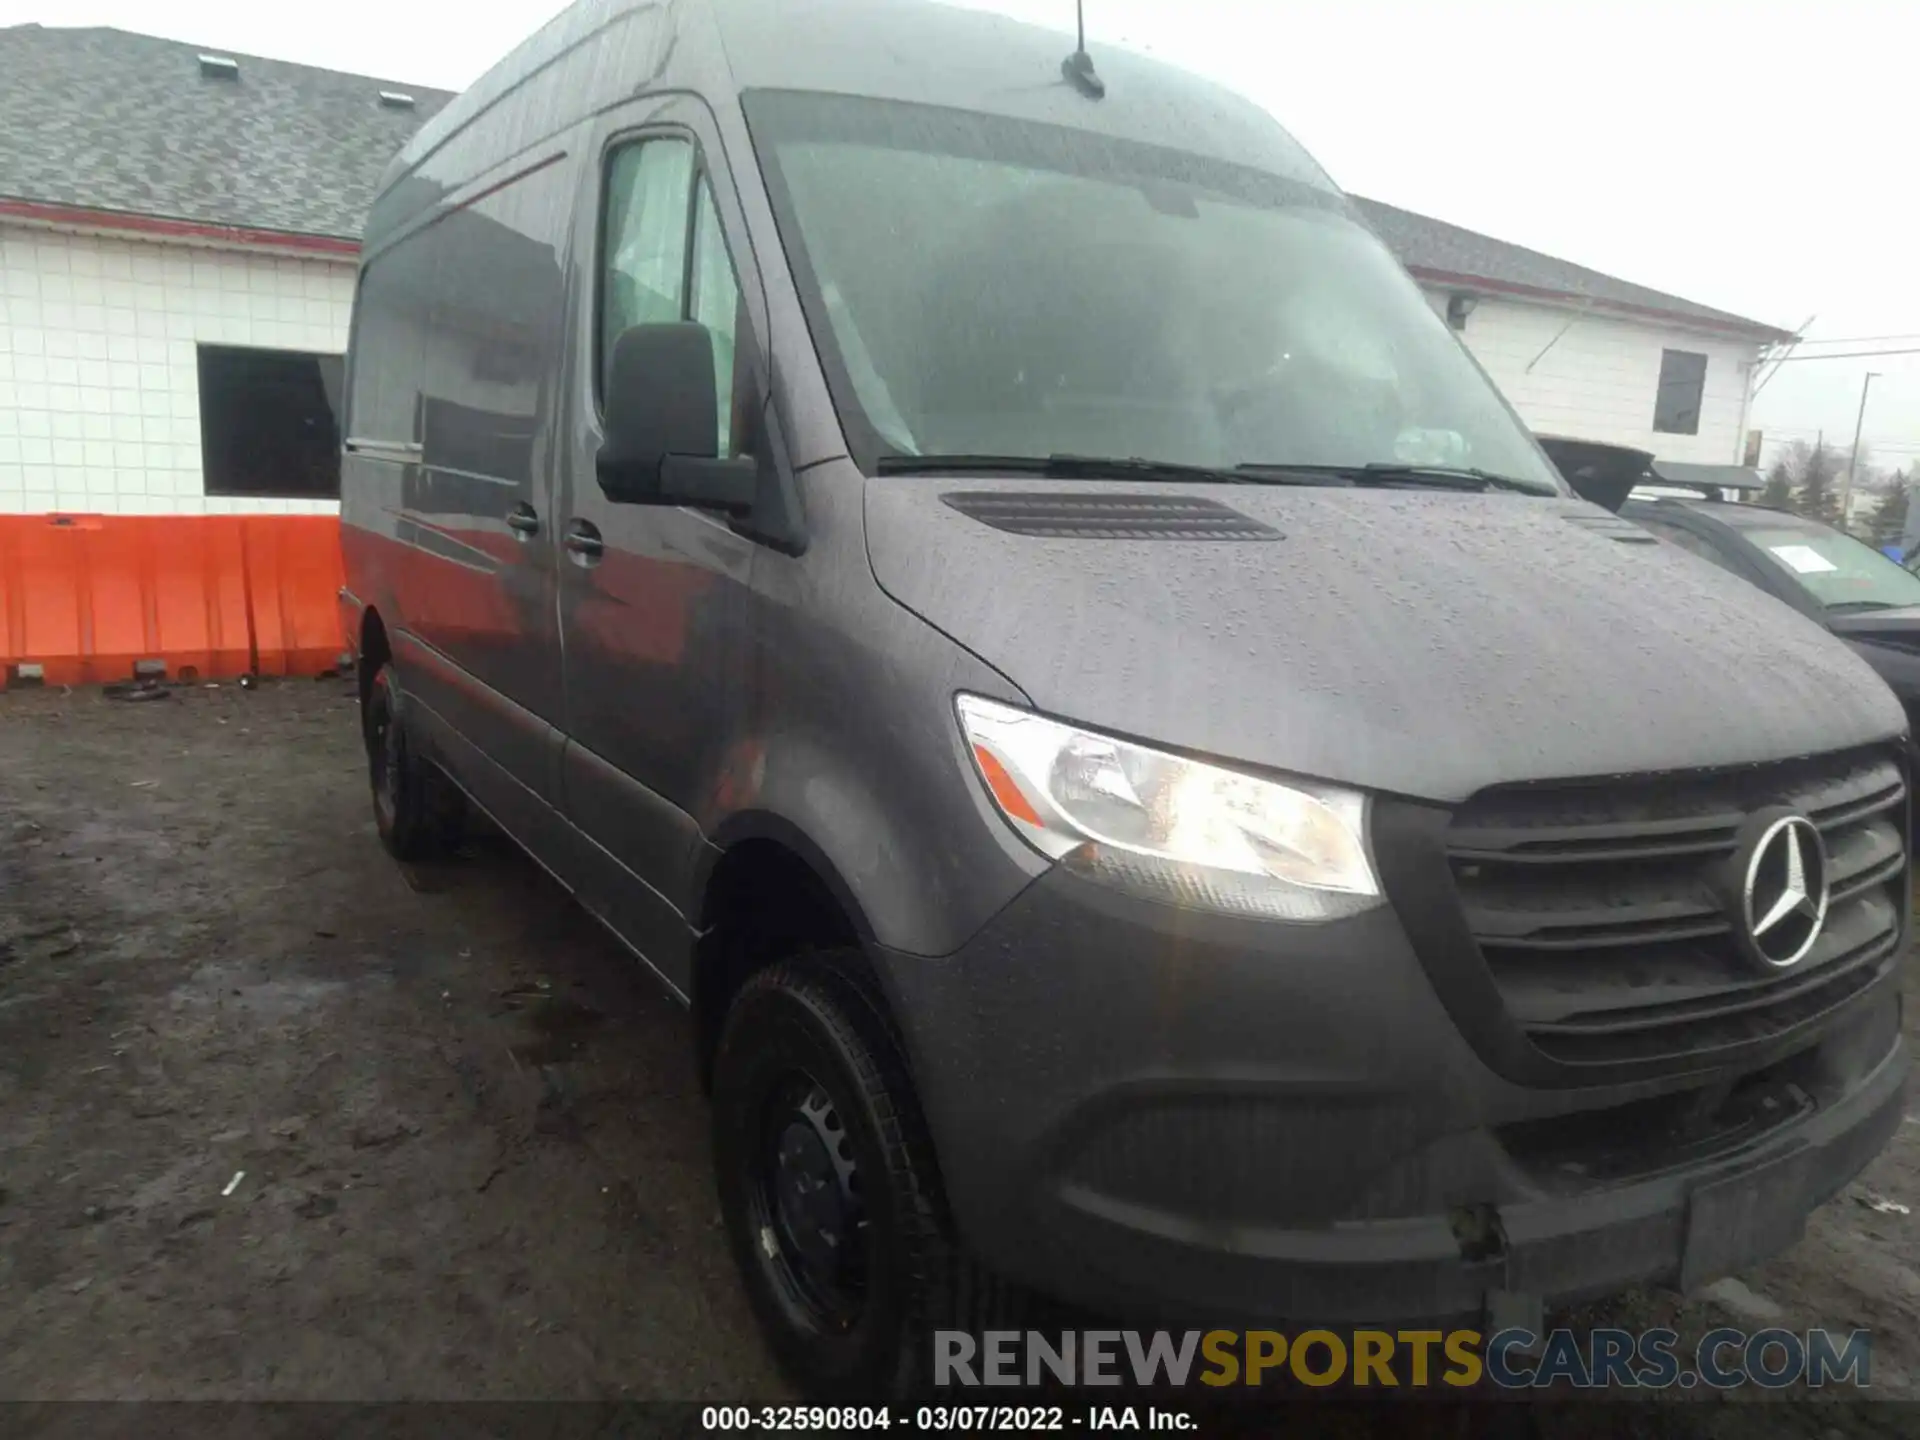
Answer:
(522, 521)
(583, 541)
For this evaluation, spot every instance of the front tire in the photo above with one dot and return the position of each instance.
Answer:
(832, 1200)
(415, 807)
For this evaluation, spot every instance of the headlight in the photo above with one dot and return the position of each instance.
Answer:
(1175, 829)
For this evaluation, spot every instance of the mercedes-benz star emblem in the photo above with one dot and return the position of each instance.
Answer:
(1782, 868)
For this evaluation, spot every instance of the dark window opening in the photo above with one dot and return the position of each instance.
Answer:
(269, 423)
(1683, 377)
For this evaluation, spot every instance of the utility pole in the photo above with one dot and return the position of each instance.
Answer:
(1846, 492)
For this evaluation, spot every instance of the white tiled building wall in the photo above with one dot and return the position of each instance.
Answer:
(99, 384)
(1600, 378)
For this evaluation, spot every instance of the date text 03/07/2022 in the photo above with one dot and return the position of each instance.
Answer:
(965, 1419)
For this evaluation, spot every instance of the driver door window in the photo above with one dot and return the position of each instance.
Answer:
(666, 262)
(646, 239)
(715, 304)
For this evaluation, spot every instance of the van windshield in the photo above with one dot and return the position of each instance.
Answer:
(986, 286)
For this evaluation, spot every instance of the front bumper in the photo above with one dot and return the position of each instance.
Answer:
(1191, 1118)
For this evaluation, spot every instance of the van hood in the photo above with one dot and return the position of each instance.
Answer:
(1420, 643)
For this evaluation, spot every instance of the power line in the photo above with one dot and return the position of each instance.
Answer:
(1876, 446)
(1817, 429)
(1846, 355)
(1855, 339)
(1788, 439)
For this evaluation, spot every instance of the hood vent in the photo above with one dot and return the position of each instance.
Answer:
(1078, 515)
(219, 67)
(1610, 527)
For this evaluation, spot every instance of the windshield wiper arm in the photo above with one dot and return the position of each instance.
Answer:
(1454, 475)
(1438, 477)
(1076, 467)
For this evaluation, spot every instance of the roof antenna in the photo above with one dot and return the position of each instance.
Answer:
(1078, 67)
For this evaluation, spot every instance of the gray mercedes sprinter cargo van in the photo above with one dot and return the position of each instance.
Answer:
(997, 587)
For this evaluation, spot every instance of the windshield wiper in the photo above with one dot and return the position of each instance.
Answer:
(1849, 606)
(1078, 467)
(1437, 477)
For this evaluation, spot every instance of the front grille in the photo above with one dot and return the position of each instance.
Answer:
(1594, 907)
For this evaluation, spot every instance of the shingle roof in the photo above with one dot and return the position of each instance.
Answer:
(1435, 250)
(105, 120)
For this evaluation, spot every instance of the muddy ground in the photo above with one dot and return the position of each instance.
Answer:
(281, 1120)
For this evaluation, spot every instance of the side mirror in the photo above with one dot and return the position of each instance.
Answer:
(1596, 471)
(662, 416)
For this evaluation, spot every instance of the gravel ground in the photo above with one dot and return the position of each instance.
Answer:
(281, 1120)
(470, 1148)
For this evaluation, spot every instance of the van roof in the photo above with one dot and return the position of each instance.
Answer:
(940, 54)
(598, 52)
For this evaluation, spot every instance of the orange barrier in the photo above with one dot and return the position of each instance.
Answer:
(95, 598)
(294, 577)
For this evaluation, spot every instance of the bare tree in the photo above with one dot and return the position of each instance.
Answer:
(1816, 472)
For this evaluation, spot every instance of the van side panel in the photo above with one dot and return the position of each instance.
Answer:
(448, 481)
(481, 592)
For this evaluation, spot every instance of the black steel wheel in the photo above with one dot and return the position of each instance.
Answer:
(415, 807)
(807, 1210)
(827, 1180)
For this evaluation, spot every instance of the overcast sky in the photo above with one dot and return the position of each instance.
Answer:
(1756, 155)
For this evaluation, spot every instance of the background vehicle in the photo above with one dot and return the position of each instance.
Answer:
(1842, 583)
(1006, 596)
(1859, 594)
